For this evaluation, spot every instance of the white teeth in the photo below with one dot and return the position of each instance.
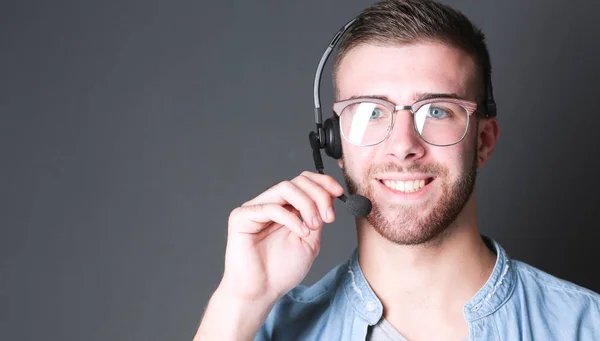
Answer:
(405, 186)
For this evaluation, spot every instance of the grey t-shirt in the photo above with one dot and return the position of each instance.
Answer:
(384, 331)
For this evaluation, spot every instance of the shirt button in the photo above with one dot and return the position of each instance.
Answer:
(371, 306)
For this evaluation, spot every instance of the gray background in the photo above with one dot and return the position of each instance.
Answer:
(130, 129)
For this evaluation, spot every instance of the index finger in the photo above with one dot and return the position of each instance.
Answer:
(327, 182)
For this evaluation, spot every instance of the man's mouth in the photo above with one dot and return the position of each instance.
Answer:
(408, 186)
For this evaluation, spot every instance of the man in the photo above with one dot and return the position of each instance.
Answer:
(412, 86)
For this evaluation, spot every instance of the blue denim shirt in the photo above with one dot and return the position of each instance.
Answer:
(518, 302)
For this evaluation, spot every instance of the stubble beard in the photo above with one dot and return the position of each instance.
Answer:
(407, 225)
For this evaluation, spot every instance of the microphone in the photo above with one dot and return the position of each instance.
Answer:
(357, 205)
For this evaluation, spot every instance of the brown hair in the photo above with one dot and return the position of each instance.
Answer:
(402, 22)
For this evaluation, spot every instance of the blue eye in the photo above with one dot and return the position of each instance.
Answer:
(376, 113)
(437, 112)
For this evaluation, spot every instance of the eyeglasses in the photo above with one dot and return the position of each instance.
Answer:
(438, 121)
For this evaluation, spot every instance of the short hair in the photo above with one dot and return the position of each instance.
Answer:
(403, 22)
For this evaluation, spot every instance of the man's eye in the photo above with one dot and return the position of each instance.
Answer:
(437, 112)
(376, 113)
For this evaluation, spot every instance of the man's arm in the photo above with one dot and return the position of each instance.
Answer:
(227, 318)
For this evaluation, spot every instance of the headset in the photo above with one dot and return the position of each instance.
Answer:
(328, 134)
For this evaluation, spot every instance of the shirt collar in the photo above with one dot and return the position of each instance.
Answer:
(488, 299)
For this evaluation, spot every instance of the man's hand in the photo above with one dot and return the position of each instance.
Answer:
(272, 242)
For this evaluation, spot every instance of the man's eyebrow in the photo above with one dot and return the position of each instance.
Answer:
(385, 98)
(429, 95)
(420, 96)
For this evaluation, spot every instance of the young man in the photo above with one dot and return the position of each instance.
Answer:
(412, 83)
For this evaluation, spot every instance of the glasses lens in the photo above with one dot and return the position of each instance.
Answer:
(365, 123)
(441, 123)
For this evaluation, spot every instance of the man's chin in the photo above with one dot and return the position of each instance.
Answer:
(404, 226)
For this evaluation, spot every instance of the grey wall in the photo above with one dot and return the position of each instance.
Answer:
(130, 129)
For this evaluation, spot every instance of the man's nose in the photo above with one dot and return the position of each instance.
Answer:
(404, 143)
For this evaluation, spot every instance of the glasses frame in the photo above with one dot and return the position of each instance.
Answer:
(470, 106)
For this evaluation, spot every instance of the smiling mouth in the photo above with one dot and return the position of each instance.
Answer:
(409, 186)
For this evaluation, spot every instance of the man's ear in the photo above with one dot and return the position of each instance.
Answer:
(487, 136)
(340, 163)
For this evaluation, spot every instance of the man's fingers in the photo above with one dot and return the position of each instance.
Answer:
(288, 193)
(271, 196)
(321, 197)
(326, 181)
(311, 193)
(253, 219)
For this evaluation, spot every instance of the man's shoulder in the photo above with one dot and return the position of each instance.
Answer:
(549, 291)
(541, 279)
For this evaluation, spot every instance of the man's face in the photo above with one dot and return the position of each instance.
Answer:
(437, 181)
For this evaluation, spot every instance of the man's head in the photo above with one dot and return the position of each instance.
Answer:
(403, 51)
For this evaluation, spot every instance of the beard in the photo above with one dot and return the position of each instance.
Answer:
(406, 224)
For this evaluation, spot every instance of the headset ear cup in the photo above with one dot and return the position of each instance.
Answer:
(333, 137)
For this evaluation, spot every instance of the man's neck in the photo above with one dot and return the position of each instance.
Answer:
(438, 278)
